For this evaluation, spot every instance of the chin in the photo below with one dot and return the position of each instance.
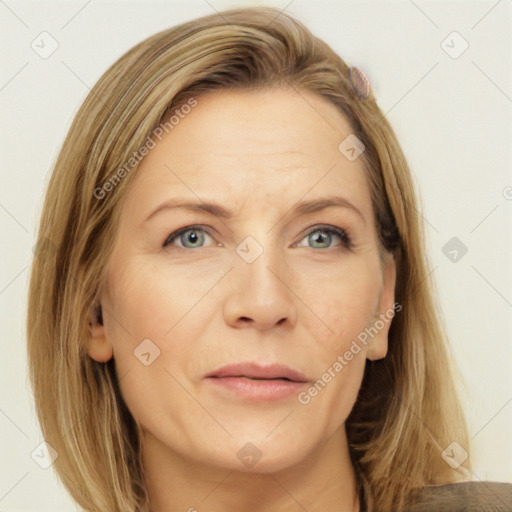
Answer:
(255, 456)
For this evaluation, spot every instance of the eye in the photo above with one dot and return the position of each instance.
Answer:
(322, 239)
(195, 236)
(189, 234)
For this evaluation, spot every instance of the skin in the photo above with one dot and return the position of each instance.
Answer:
(301, 302)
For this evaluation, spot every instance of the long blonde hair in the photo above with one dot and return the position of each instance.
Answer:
(407, 410)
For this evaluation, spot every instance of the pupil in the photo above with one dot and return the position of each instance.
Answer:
(319, 238)
(192, 236)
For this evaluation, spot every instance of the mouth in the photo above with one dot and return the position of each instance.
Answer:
(257, 382)
(258, 371)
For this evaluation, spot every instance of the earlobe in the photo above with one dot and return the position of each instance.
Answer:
(387, 297)
(99, 347)
(378, 346)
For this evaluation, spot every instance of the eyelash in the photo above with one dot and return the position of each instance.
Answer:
(346, 240)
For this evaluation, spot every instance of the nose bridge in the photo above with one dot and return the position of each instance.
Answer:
(260, 275)
(262, 260)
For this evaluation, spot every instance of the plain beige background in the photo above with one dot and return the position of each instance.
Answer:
(451, 107)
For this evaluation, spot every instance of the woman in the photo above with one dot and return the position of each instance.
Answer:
(191, 347)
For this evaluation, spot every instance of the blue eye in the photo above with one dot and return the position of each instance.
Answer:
(195, 236)
(330, 231)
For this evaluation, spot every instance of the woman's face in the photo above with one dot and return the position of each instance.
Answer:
(261, 283)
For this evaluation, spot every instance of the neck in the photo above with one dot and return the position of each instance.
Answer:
(323, 481)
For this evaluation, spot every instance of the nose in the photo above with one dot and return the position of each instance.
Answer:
(260, 291)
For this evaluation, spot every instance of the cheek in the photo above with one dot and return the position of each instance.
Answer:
(161, 303)
(149, 324)
(150, 300)
(343, 299)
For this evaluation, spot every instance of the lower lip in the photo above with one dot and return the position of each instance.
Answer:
(258, 390)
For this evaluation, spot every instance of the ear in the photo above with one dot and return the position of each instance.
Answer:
(378, 345)
(99, 347)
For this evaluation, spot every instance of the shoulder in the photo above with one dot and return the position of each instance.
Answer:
(465, 497)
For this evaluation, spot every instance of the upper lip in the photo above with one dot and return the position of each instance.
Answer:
(255, 370)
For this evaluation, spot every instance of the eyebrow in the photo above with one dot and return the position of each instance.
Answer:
(217, 210)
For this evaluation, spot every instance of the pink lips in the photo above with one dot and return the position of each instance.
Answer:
(258, 382)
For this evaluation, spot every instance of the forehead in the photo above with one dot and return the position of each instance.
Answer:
(240, 146)
(270, 122)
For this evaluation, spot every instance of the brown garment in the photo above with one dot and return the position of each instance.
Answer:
(465, 497)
